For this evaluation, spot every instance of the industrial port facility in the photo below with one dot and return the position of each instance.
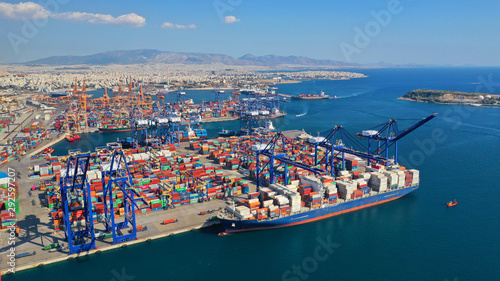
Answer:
(168, 176)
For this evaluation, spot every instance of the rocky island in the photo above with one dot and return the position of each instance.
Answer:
(452, 97)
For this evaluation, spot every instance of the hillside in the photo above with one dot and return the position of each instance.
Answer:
(155, 56)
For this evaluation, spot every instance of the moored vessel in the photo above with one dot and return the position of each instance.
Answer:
(311, 97)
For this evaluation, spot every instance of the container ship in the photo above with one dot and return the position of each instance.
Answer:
(314, 198)
(311, 97)
(262, 114)
(111, 129)
(190, 134)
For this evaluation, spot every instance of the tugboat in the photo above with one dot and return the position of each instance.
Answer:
(72, 137)
(48, 150)
(452, 203)
(229, 133)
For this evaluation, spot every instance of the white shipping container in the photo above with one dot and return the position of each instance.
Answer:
(343, 173)
(379, 180)
(364, 176)
(332, 190)
(414, 172)
(313, 182)
(91, 175)
(361, 181)
(243, 210)
(267, 203)
(392, 177)
(416, 176)
(295, 208)
(293, 196)
(380, 188)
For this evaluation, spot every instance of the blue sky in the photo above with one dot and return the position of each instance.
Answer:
(419, 32)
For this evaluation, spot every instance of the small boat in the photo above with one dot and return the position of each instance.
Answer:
(300, 115)
(72, 137)
(228, 133)
(48, 150)
(452, 203)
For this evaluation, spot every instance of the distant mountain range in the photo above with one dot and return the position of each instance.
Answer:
(155, 56)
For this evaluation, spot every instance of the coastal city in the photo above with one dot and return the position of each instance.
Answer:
(53, 78)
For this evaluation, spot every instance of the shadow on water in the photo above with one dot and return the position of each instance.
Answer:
(213, 229)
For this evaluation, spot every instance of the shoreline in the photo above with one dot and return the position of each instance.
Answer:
(298, 81)
(451, 103)
(189, 219)
(112, 247)
(49, 144)
(57, 140)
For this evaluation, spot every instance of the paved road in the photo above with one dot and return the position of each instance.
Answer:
(21, 121)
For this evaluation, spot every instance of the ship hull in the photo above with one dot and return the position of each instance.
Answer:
(114, 130)
(233, 226)
(59, 94)
(272, 116)
(310, 98)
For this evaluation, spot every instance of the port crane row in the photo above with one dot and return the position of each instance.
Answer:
(156, 122)
(336, 144)
(74, 185)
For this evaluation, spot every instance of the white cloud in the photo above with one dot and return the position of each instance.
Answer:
(22, 10)
(231, 19)
(129, 19)
(34, 10)
(169, 25)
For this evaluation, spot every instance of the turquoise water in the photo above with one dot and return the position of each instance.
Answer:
(413, 238)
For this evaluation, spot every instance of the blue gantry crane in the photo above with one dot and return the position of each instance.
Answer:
(174, 125)
(180, 96)
(140, 127)
(278, 150)
(388, 134)
(339, 142)
(252, 111)
(75, 197)
(119, 178)
(160, 127)
(218, 102)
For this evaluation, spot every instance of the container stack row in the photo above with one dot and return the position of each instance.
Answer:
(9, 204)
(162, 179)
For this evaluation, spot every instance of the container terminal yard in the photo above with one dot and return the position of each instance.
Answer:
(168, 177)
